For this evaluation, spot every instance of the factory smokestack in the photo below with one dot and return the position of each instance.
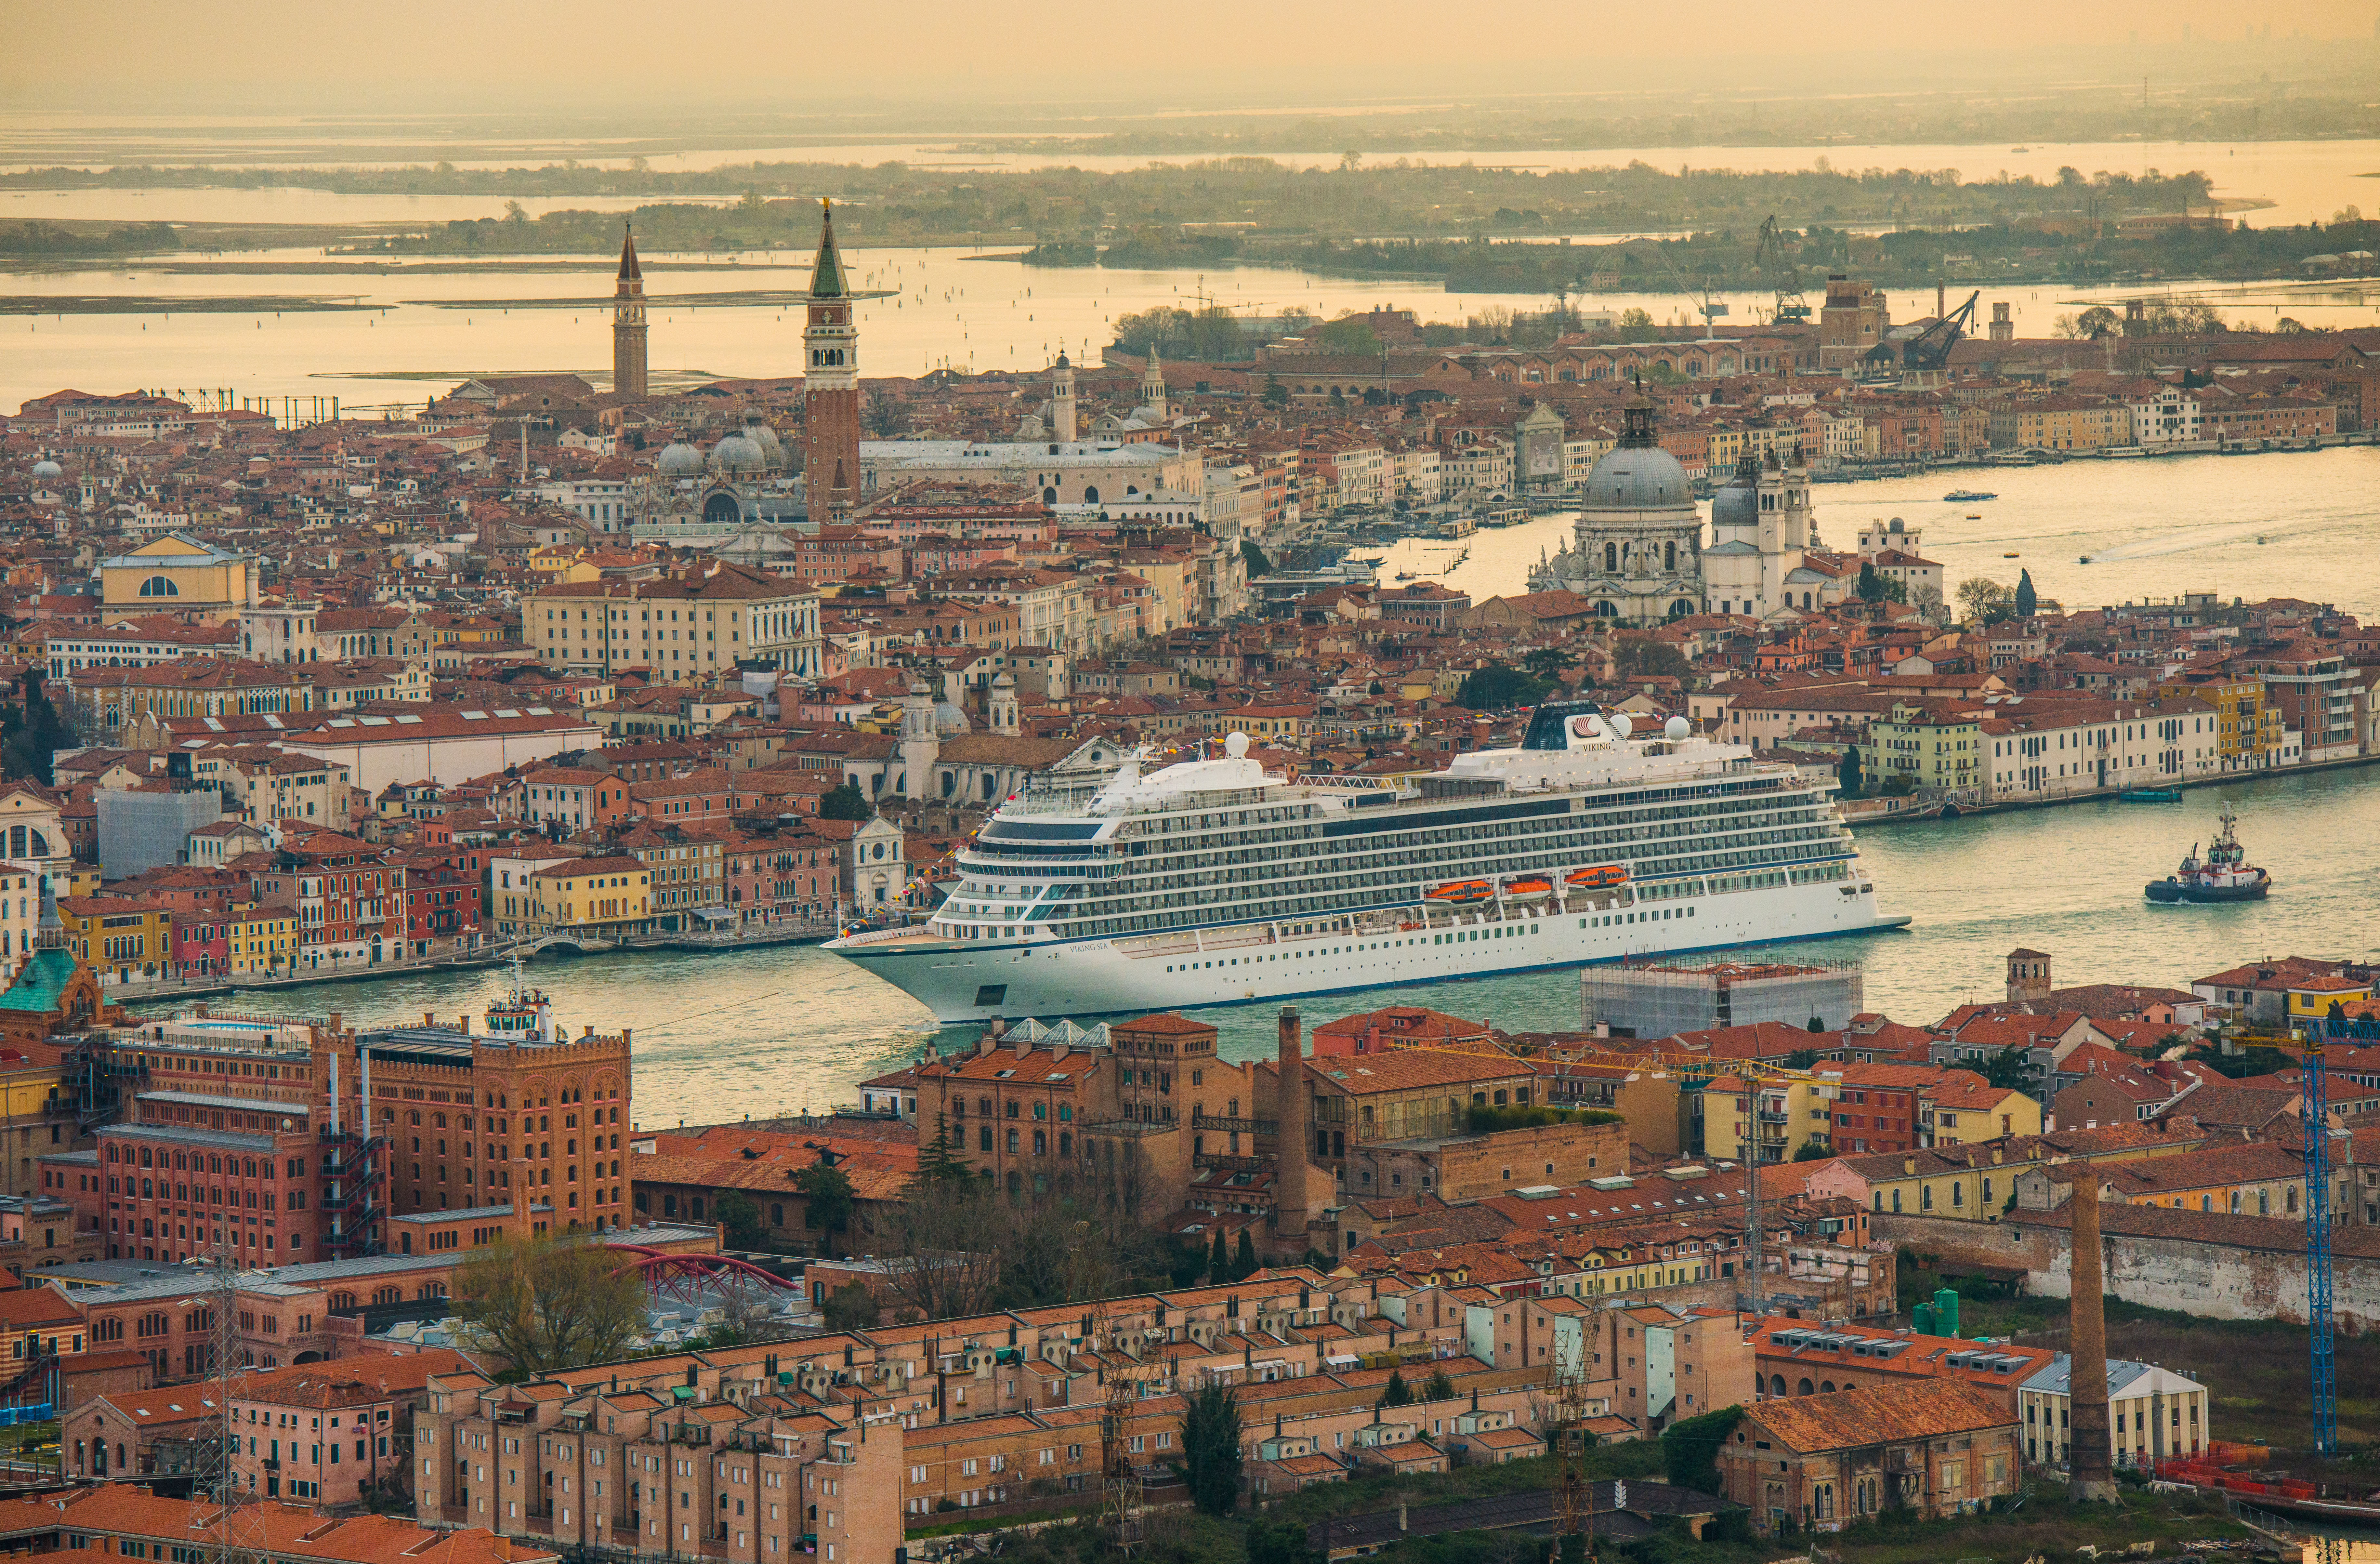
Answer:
(2089, 1450)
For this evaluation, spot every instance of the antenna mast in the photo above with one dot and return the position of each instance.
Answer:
(224, 1518)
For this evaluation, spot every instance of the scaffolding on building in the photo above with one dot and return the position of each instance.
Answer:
(93, 1076)
(1644, 999)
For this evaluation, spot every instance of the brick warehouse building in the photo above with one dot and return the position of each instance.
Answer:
(249, 1131)
(465, 1115)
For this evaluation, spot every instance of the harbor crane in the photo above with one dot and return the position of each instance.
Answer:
(1773, 258)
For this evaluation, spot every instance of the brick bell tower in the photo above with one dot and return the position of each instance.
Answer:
(628, 322)
(831, 384)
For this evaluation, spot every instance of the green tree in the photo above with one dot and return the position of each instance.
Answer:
(1642, 656)
(1396, 1393)
(551, 1303)
(1280, 1542)
(1437, 1388)
(2008, 1069)
(1848, 773)
(740, 1218)
(1243, 1259)
(1813, 1150)
(1497, 688)
(1274, 395)
(1253, 558)
(845, 802)
(1548, 662)
(1874, 588)
(851, 1307)
(1219, 1265)
(1690, 1449)
(1800, 1058)
(1984, 601)
(31, 735)
(827, 1198)
(1352, 338)
(1210, 1447)
(938, 1162)
(1635, 325)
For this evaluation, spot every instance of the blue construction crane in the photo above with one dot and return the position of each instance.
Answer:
(2316, 1089)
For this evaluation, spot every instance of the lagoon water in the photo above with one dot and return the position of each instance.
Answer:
(724, 1037)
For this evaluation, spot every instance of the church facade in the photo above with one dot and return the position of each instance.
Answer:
(1636, 552)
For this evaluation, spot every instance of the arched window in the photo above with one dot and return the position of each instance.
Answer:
(1607, 611)
(1090, 496)
(1612, 556)
(1668, 556)
(158, 586)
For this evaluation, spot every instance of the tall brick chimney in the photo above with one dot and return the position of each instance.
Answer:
(2090, 1460)
(1292, 1174)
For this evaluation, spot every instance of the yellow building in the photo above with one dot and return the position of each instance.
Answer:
(1931, 747)
(1963, 1108)
(596, 894)
(178, 573)
(264, 938)
(2250, 723)
(2312, 1000)
(2061, 423)
(28, 1093)
(129, 938)
(1788, 1115)
(1973, 1181)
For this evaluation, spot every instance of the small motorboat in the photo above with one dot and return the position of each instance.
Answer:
(1528, 887)
(2009, 554)
(1459, 893)
(2149, 795)
(1967, 496)
(2085, 560)
(1605, 876)
(2224, 874)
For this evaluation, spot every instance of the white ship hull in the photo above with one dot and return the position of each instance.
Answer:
(963, 981)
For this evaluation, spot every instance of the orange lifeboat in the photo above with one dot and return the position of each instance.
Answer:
(1528, 887)
(1602, 878)
(1459, 893)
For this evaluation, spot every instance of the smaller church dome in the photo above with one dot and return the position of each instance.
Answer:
(757, 430)
(680, 460)
(46, 470)
(949, 719)
(1737, 504)
(735, 453)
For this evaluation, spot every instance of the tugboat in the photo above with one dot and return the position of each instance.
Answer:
(2225, 874)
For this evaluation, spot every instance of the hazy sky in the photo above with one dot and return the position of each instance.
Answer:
(243, 56)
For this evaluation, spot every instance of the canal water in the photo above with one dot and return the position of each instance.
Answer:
(724, 1037)
(2279, 524)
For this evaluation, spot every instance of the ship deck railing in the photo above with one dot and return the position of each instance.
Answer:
(878, 937)
(1408, 919)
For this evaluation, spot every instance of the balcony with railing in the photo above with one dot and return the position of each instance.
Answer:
(1239, 1126)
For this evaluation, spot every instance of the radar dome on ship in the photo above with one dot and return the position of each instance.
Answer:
(680, 460)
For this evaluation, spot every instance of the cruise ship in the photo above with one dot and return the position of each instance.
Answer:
(1210, 882)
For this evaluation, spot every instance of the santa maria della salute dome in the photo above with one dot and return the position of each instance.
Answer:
(1636, 553)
